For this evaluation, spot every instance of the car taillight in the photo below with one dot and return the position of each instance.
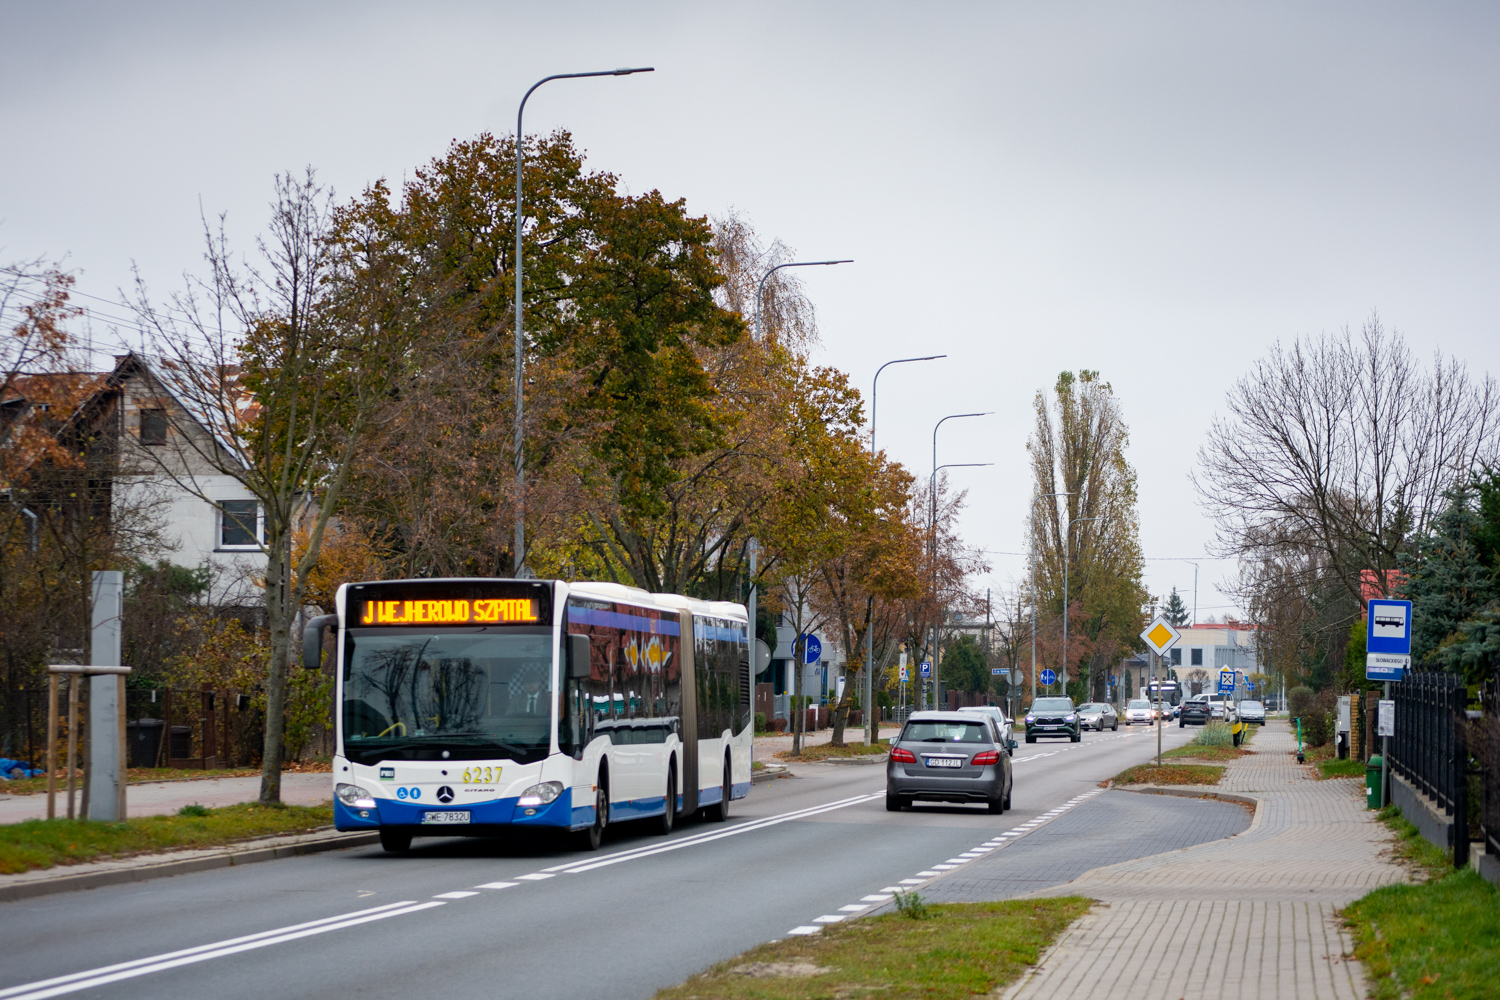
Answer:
(987, 757)
(904, 756)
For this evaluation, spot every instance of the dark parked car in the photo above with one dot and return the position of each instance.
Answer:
(1098, 715)
(1053, 717)
(1194, 712)
(948, 757)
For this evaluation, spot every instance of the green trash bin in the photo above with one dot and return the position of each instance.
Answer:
(1372, 781)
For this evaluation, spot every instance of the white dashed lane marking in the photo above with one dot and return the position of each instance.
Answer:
(923, 877)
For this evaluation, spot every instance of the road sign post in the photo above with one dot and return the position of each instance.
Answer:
(1387, 658)
(1161, 635)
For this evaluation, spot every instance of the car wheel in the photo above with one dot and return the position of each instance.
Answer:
(1181, 724)
(669, 818)
(1077, 737)
(892, 803)
(1009, 787)
(997, 805)
(1116, 727)
(1030, 738)
(395, 841)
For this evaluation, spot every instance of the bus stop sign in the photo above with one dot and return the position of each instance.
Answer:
(1387, 640)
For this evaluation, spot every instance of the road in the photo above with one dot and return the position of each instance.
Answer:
(523, 918)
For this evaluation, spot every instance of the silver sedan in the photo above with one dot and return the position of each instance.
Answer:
(948, 757)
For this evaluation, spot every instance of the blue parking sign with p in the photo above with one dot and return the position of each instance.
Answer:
(926, 670)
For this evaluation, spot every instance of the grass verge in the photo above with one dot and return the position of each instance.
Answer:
(1440, 938)
(1169, 774)
(955, 951)
(40, 843)
(145, 775)
(1335, 768)
(1207, 753)
(822, 751)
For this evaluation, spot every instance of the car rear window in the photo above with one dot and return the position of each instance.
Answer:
(946, 732)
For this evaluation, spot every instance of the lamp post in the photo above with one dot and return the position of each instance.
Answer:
(799, 263)
(1068, 544)
(872, 725)
(932, 527)
(520, 537)
(1033, 590)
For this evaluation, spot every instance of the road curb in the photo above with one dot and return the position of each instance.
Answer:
(769, 773)
(157, 866)
(1201, 792)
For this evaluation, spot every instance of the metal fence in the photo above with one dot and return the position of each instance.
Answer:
(1429, 748)
(1484, 746)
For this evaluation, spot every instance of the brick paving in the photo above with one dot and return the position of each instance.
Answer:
(1253, 916)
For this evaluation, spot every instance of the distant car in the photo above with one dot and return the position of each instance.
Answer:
(997, 715)
(1052, 717)
(948, 757)
(1195, 711)
(1219, 706)
(1139, 710)
(1098, 715)
(1252, 711)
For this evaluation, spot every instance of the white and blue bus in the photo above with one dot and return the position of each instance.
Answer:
(470, 705)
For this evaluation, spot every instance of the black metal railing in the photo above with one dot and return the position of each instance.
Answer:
(1429, 748)
(1485, 747)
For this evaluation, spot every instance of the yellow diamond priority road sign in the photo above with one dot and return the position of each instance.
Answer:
(1161, 636)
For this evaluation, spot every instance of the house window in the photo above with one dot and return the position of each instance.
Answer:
(153, 427)
(1197, 657)
(239, 525)
(1176, 657)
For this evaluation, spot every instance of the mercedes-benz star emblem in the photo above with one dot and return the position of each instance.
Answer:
(445, 794)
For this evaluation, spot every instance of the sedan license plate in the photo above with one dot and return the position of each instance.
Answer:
(944, 762)
(445, 817)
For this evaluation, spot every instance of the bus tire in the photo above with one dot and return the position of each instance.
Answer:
(719, 812)
(590, 839)
(394, 840)
(669, 816)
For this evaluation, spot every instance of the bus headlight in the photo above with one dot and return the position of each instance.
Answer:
(540, 795)
(354, 796)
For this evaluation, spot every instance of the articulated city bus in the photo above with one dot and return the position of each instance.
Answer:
(472, 705)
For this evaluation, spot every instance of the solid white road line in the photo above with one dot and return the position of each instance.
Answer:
(188, 956)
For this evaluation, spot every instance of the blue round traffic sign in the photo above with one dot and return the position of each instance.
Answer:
(812, 649)
(1048, 677)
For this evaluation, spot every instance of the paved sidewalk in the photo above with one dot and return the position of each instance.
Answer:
(1254, 916)
(162, 798)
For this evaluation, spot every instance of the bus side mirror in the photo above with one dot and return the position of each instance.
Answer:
(312, 640)
(578, 657)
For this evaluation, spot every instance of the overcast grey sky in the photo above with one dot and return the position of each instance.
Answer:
(1156, 191)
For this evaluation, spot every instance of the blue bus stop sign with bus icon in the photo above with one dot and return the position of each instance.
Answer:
(1048, 677)
(1387, 640)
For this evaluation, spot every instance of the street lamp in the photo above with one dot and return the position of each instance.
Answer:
(520, 538)
(932, 527)
(872, 726)
(1033, 589)
(1067, 545)
(800, 263)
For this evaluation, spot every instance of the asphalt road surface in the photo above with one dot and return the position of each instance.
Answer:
(530, 918)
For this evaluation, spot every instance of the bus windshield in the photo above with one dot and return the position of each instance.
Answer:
(464, 694)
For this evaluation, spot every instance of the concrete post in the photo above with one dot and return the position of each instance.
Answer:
(106, 702)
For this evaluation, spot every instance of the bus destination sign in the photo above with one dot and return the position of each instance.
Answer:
(480, 611)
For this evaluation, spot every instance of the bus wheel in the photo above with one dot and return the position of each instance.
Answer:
(394, 840)
(668, 818)
(590, 839)
(720, 812)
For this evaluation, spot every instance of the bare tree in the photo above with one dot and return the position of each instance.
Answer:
(277, 369)
(1343, 445)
